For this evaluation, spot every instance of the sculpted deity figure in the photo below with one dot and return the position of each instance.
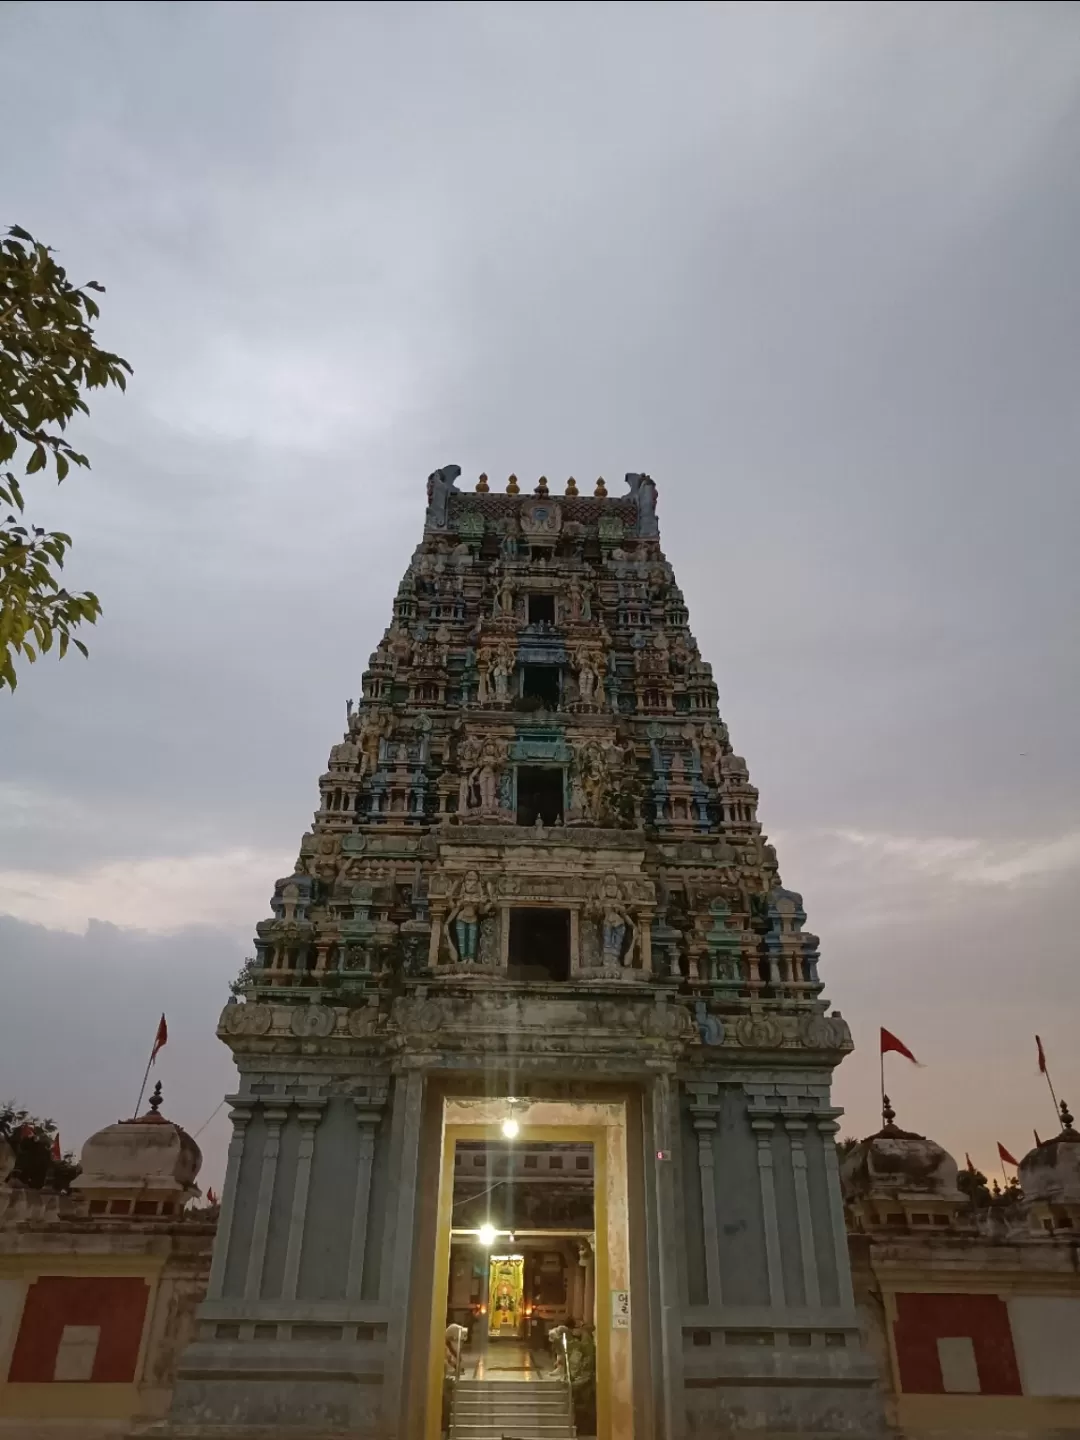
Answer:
(487, 776)
(708, 747)
(502, 671)
(615, 922)
(471, 902)
(504, 598)
(643, 490)
(373, 727)
(578, 600)
(586, 678)
(440, 487)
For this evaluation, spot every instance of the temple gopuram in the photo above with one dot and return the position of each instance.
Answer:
(532, 1126)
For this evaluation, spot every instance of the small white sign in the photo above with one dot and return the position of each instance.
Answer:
(620, 1309)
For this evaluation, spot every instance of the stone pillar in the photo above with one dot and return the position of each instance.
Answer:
(240, 1114)
(274, 1117)
(588, 1298)
(845, 1294)
(796, 1128)
(310, 1115)
(762, 1127)
(704, 1118)
(672, 1402)
(410, 1097)
(367, 1118)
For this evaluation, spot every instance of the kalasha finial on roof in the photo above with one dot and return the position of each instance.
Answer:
(542, 485)
(888, 1114)
(512, 486)
(482, 485)
(1066, 1118)
(601, 488)
(155, 1098)
(571, 486)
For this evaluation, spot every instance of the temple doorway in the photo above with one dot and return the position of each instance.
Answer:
(525, 1260)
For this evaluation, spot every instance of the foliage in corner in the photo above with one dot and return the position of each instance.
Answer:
(32, 1141)
(47, 360)
(249, 975)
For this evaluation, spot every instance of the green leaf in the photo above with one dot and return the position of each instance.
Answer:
(37, 460)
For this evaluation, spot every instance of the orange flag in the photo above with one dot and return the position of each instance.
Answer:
(891, 1042)
(55, 1151)
(160, 1039)
(1009, 1160)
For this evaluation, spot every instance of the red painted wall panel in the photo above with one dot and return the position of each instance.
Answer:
(922, 1320)
(117, 1304)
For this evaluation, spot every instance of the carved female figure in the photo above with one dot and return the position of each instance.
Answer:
(472, 902)
(615, 920)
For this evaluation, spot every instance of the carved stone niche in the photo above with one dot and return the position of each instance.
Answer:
(540, 520)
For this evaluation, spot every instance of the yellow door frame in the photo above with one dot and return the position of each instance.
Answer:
(596, 1135)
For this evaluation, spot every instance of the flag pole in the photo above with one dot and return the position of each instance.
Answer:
(882, 1059)
(1053, 1097)
(146, 1076)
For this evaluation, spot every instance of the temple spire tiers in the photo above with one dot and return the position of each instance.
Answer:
(536, 870)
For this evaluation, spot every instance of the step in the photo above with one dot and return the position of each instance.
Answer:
(524, 1431)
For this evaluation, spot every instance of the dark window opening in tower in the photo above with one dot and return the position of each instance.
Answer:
(539, 794)
(541, 609)
(539, 945)
(540, 683)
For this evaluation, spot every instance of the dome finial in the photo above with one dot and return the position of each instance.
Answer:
(1066, 1118)
(888, 1114)
(155, 1098)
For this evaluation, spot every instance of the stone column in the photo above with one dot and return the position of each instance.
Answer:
(411, 1098)
(762, 1127)
(796, 1128)
(367, 1118)
(240, 1114)
(588, 1298)
(310, 1115)
(274, 1117)
(672, 1404)
(704, 1118)
(845, 1294)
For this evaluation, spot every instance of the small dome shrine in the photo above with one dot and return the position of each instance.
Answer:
(1050, 1178)
(143, 1168)
(896, 1178)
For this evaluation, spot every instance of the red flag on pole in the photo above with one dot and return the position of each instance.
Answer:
(1042, 1056)
(890, 1042)
(55, 1151)
(160, 1039)
(1009, 1160)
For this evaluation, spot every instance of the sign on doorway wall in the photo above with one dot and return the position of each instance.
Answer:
(620, 1309)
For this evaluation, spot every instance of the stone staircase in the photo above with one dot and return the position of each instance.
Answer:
(511, 1410)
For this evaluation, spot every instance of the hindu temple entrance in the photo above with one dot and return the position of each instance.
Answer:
(526, 1256)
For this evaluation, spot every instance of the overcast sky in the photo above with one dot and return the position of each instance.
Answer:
(812, 267)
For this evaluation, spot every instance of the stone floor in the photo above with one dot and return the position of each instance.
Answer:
(504, 1360)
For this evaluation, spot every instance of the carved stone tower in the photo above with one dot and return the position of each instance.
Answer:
(536, 877)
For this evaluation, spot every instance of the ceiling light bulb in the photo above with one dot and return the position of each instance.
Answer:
(486, 1235)
(510, 1128)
